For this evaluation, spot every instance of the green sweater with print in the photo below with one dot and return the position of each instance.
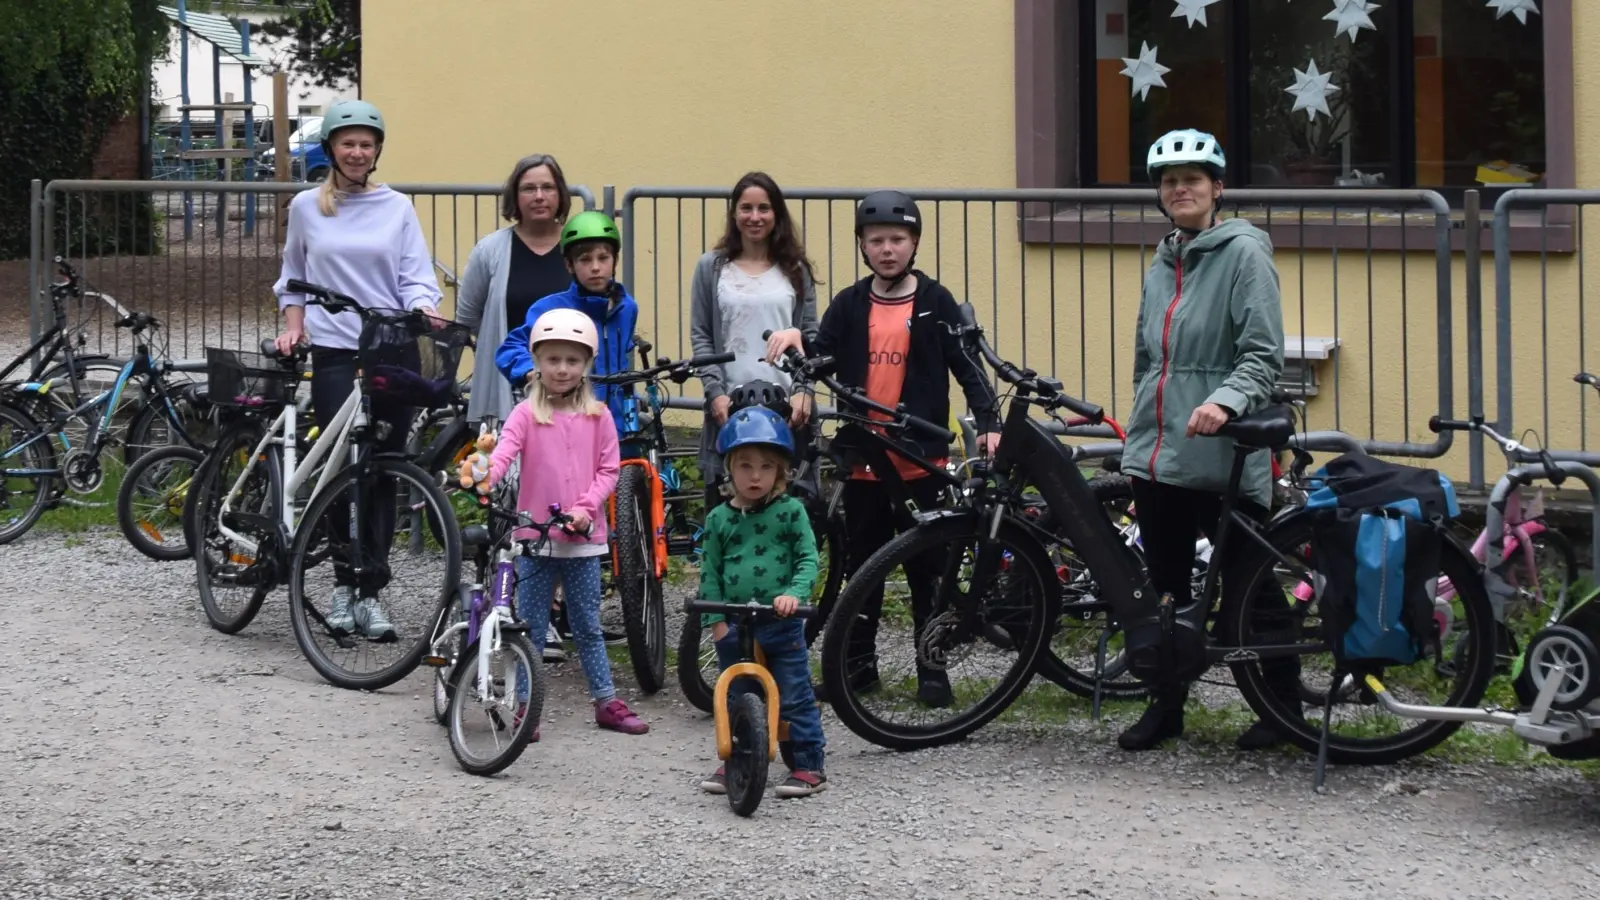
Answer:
(757, 555)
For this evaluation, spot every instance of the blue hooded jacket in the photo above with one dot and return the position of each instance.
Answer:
(616, 340)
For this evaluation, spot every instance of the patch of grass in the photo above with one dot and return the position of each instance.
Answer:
(69, 518)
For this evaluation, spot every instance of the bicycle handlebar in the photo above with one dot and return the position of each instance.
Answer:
(1513, 449)
(1025, 380)
(665, 367)
(731, 609)
(520, 519)
(805, 368)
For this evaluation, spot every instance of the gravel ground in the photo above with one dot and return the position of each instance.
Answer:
(166, 760)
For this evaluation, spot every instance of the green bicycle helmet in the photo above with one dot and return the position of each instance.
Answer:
(590, 225)
(346, 113)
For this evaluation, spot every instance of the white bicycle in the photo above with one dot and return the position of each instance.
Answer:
(346, 502)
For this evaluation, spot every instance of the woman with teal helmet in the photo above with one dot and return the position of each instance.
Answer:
(1208, 347)
(363, 240)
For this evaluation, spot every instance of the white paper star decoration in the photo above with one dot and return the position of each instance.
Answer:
(1144, 72)
(1350, 15)
(1311, 89)
(1518, 8)
(1193, 10)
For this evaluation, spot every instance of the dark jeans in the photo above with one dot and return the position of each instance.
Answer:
(1171, 519)
(783, 642)
(872, 518)
(333, 374)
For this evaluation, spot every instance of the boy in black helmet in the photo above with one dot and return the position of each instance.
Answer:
(888, 333)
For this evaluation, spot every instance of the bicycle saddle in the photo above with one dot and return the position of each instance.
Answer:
(474, 536)
(1269, 427)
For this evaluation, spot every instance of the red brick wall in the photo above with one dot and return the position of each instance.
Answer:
(118, 156)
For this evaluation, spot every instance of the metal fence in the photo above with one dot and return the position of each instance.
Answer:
(1381, 289)
(1055, 276)
(202, 256)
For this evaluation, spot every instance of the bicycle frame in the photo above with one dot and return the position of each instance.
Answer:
(334, 442)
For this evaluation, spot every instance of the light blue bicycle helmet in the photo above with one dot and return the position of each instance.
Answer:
(1186, 147)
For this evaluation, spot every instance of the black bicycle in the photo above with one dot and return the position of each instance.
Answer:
(995, 584)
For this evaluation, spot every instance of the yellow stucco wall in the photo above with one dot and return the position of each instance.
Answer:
(695, 93)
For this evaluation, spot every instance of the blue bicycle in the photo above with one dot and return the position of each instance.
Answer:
(31, 461)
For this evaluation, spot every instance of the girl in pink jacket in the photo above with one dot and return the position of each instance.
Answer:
(566, 443)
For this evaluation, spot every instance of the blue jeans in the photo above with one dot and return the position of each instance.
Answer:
(784, 643)
(580, 576)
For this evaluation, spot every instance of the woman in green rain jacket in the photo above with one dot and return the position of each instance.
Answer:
(1209, 348)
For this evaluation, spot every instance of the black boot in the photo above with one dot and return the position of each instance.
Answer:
(933, 688)
(1162, 720)
(1284, 681)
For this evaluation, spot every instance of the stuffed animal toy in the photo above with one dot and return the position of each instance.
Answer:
(475, 468)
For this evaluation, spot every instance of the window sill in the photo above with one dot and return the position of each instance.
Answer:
(1309, 228)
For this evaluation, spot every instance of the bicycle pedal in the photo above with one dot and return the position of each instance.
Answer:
(436, 662)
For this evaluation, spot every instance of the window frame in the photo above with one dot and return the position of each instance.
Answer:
(1053, 101)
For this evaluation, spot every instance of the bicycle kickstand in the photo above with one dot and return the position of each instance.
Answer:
(1327, 726)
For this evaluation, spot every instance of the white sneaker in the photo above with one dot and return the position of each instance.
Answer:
(553, 651)
(374, 623)
(339, 616)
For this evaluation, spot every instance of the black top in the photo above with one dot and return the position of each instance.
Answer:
(935, 354)
(532, 277)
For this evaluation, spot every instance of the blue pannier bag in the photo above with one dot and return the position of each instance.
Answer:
(1377, 534)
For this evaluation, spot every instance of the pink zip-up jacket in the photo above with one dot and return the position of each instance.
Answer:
(573, 461)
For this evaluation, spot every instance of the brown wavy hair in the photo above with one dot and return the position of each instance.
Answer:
(784, 245)
(509, 209)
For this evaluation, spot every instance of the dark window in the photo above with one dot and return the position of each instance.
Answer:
(1430, 93)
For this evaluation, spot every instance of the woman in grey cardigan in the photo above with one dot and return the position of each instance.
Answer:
(512, 269)
(757, 279)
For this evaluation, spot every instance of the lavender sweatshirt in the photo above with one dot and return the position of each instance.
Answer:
(372, 249)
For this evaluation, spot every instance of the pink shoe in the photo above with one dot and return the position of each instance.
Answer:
(615, 715)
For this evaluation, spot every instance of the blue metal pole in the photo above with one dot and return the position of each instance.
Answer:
(185, 136)
(249, 129)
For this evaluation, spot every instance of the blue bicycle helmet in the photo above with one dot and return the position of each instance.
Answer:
(755, 426)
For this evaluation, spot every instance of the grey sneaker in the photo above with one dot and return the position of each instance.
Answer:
(553, 651)
(373, 622)
(339, 616)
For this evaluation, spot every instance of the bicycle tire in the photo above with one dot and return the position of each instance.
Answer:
(300, 550)
(152, 414)
(1288, 536)
(465, 689)
(40, 454)
(203, 509)
(137, 530)
(644, 617)
(745, 772)
(1028, 559)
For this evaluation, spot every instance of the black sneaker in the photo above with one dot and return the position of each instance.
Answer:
(933, 690)
(1259, 736)
(1160, 722)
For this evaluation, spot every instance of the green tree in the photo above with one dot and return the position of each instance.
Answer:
(68, 70)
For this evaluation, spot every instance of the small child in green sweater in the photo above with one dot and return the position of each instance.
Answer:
(759, 547)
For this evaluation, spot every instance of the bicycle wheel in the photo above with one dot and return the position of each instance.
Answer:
(23, 497)
(745, 772)
(507, 716)
(234, 577)
(413, 596)
(1014, 617)
(1260, 609)
(151, 500)
(644, 615)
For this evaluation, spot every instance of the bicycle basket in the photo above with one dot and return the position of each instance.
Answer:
(242, 378)
(405, 361)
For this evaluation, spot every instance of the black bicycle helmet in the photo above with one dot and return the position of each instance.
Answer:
(888, 208)
(760, 393)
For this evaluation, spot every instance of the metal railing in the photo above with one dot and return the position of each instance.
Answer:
(126, 238)
(1055, 276)
(1554, 344)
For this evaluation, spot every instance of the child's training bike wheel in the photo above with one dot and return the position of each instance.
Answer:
(746, 770)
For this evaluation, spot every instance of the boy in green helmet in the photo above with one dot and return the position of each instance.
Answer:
(591, 244)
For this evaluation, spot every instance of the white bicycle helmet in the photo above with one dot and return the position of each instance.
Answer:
(565, 325)
(1186, 147)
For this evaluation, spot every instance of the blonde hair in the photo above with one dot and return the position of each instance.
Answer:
(779, 484)
(328, 196)
(541, 404)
